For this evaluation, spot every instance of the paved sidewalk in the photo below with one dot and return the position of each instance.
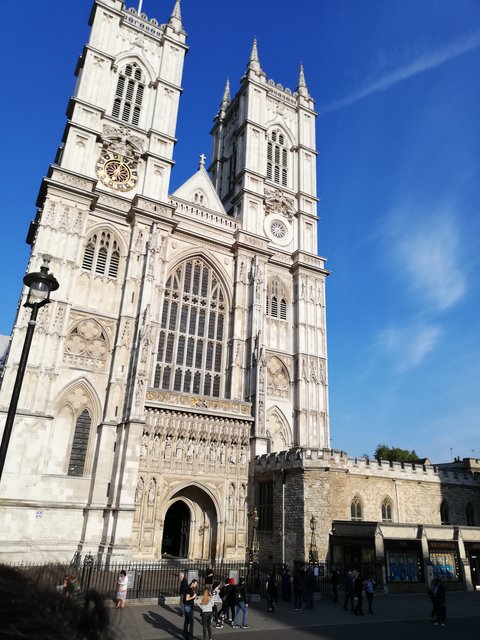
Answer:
(153, 621)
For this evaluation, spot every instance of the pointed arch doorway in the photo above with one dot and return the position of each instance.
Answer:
(190, 525)
(176, 530)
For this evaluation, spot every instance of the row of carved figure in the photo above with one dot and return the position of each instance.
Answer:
(153, 447)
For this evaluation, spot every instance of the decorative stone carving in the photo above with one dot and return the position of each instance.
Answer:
(278, 379)
(277, 202)
(86, 345)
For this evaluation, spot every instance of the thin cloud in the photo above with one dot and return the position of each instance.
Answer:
(424, 62)
(425, 249)
(407, 346)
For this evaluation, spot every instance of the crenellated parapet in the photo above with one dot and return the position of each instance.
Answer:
(334, 460)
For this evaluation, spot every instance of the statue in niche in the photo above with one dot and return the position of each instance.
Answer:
(156, 448)
(179, 451)
(190, 450)
(212, 452)
(231, 503)
(168, 448)
(313, 371)
(144, 446)
(152, 491)
(241, 497)
(201, 451)
(233, 455)
(222, 453)
(139, 490)
(243, 455)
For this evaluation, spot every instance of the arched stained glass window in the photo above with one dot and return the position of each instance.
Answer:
(387, 510)
(470, 514)
(192, 332)
(444, 513)
(78, 454)
(356, 509)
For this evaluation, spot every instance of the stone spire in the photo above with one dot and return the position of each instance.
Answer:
(226, 95)
(176, 18)
(225, 101)
(254, 62)
(302, 85)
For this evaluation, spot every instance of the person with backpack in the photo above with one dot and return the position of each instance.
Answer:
(241, 604)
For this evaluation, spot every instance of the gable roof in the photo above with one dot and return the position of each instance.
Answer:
(200, 184)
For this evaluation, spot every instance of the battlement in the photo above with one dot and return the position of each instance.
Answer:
(334, 460)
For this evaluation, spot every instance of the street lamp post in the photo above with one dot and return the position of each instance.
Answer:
(313, 541)
(41, 284)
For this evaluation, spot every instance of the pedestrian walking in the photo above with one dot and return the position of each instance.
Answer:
(188, 609)
(298, 587)
(369, 588)
(335, 579)
(122, 586)
(181, 590)
(348, 586)
(272, 591)
(358, 594)
(217, 605)
(309, 587)
(439, 602)
(206, 607)
(286, 585)
(241, 604)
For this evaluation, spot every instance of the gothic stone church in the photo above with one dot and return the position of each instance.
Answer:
(179, 378)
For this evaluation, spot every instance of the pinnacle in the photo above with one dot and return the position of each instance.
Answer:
(254, 61)
(176, 17)
(302, 85)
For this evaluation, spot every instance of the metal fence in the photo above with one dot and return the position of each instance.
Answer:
(161, 579)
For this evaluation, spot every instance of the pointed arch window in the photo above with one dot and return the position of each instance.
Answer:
(444, 513)
(129, 94)
(387, 510)
(192, 336)
(356, 509)
(470, 515)
(78, 454)
(102, 254)
(277, 158)
(276, 301)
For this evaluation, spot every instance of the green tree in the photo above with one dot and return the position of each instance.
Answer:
(394, 454)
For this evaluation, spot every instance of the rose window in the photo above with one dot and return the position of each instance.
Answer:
(278, 229)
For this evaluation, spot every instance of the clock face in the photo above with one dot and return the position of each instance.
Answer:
(117, 171)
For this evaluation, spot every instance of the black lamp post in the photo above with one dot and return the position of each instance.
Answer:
(254, 547)
(40, 284)
(313, 541)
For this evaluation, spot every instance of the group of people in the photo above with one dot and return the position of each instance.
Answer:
(218, 603)
(355, 588)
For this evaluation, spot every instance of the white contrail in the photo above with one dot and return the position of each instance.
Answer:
(426, 61)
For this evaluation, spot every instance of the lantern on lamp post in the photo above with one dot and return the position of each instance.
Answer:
(40, 284)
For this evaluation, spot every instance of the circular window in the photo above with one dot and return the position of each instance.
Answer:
(278, 230)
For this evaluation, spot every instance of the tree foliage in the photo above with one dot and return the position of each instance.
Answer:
(394, 454)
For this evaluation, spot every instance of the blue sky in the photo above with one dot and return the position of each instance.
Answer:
(397, 89)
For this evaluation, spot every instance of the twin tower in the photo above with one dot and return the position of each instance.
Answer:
(188, 334)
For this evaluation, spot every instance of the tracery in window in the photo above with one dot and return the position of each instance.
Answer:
(276, 301)
(78, 454)
(129, 94)
(191, 346)
(356, 510)
(387, 510)
(277, 158)
(102, 254)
